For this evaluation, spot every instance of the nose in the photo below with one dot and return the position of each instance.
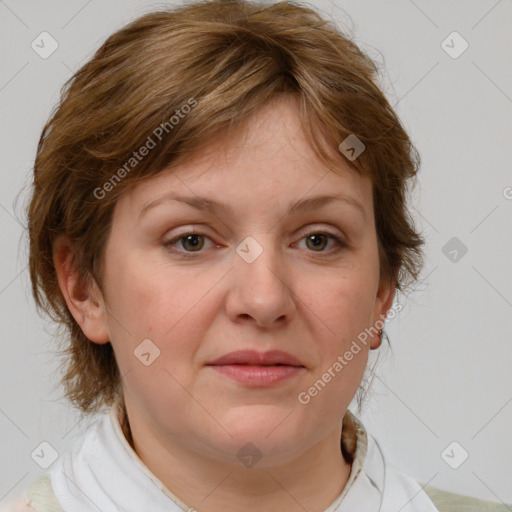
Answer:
(260, 291)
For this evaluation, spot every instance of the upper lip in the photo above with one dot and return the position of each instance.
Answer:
(253, 357)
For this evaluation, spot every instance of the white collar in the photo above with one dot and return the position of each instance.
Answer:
(101, 471)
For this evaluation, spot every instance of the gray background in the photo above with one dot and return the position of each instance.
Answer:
(449, 375)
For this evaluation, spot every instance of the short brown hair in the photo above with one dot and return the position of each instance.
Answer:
(226, 59)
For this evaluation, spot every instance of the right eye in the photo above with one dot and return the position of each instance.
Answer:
(189, 242)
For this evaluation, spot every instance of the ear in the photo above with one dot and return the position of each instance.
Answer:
(84, 299)
(383, 302)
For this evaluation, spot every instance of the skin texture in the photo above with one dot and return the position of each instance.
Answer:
(188, 422)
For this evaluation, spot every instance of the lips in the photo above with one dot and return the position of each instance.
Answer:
(255, 369)
(255, 358)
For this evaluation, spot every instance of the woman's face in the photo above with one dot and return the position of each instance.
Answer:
(256, 272)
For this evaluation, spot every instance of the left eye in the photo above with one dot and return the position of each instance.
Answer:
(317, 240)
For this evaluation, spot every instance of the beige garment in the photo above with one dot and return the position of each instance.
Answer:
(450, 502)
(37, 497)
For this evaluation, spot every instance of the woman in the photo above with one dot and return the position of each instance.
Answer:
(219, 221)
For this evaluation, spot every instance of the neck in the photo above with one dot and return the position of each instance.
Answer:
(310, 482)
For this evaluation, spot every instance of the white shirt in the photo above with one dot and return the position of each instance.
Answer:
(101, 471)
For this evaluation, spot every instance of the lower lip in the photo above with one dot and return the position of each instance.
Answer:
(258, 375)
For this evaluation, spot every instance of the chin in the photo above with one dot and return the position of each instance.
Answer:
(264, 431)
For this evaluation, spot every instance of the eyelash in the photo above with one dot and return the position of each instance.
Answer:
(340, 244)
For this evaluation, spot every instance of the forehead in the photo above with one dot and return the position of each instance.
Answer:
(266, 159)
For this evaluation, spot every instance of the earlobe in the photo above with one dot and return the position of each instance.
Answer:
(83, 298)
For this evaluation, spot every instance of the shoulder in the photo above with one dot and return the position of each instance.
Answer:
(17, 505)
(391, 488)
(451, 502)
(422, 496)
(37, 497)
(402, 491)
(425, 497)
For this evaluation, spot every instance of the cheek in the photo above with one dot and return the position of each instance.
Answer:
(343, 304)
(342, 314)
(342, 358)
(152, 301)
(147, 297)
(148, 303)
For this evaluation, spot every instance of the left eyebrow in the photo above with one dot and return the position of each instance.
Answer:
(210, 205)
(314, 202)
